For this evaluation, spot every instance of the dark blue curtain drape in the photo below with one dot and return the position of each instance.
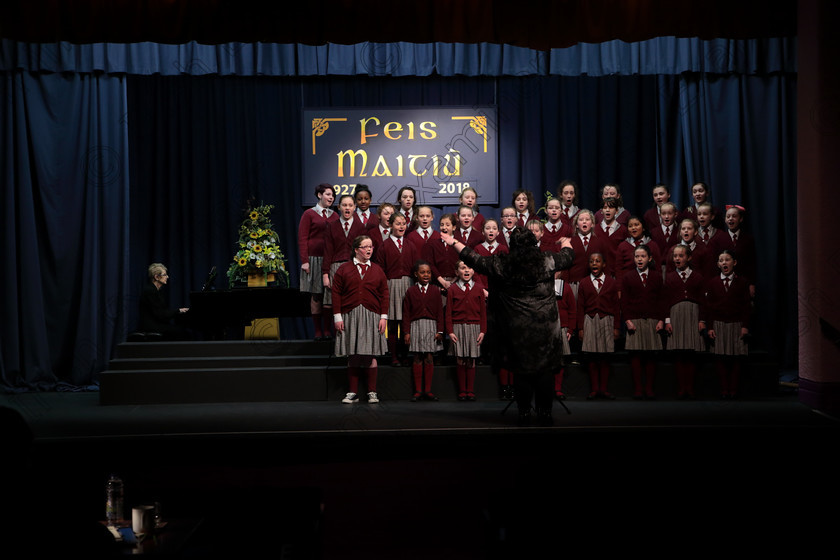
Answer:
(64, 227)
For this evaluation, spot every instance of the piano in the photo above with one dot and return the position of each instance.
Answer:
(225, 313)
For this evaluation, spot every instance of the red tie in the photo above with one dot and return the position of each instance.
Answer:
(667, 232)
(684, 276)
(364, 218)
(407, 219)
(705, 235)
(492, 248)
(598, 280)
(644, 278)
(585, 241)
(726, 284)
(734, 238)
(638, 242)
(566, 211)
(466, 234)
(425, 235)
(385, 234)
(467, 288)
(553, 228)
(346, 228)
(364, 268)
(522, 219)
(399, 244)
(423, 289)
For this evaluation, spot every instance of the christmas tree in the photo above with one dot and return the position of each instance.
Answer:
(258, 255)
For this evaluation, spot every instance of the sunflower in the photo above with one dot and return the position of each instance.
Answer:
(242, 261)
(257, 248)
(254, 215)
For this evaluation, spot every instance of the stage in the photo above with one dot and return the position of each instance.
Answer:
(448, 479)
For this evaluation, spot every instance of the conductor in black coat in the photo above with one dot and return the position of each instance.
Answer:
(155, 314)
(525, 319)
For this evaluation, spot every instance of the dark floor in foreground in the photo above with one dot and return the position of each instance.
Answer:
(446, 479)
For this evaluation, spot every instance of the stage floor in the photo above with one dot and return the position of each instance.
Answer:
(64, 416)
(445, 479)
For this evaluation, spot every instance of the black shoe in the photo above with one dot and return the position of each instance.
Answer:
(524, 418)
(430, 397)
(544, 418)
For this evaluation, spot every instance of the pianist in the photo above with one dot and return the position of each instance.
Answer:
(155, 314)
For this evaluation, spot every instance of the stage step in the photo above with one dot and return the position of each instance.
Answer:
(284, 371)
(224, 348)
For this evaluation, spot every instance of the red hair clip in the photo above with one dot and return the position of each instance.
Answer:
(739, 207)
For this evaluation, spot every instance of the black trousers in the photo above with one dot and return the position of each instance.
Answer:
(538, 388)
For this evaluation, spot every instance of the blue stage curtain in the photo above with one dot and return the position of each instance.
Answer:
(64, 227)
(661, 55)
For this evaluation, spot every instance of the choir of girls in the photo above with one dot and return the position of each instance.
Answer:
(669, 284)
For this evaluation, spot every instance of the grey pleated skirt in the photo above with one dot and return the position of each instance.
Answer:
(361, 334)
(328, 292)
(466, 347)
(313, 281)
(598, 334)
(423, 333)
(685, 334)
(396, 294)
(728, 341)
(564, 335)
(644, 337)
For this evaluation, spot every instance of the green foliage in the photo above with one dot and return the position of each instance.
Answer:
(258, 251)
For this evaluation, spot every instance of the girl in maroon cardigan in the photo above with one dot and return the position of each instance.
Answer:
(442, 257)
(610, 229)
(422, 323)
(339, 240)
(360, 303)
(555, 227)
(363, 198)
(640, 299)
(598, 316)
(466, 324)
(424, 233)
(312, 230)
(396, 256)
(406, 205)
(685, 291)
(727, 316)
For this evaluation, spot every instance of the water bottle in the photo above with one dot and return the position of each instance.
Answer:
(114, 500)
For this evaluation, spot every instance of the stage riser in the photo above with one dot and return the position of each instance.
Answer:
(223, 348)
(319, 384)
(221, 362)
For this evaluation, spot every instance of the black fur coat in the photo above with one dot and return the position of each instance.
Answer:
(524, 323)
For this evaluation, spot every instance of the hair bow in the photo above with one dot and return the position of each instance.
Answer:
(739, 207)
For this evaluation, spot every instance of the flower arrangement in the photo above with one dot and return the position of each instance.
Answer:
(258, 252)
